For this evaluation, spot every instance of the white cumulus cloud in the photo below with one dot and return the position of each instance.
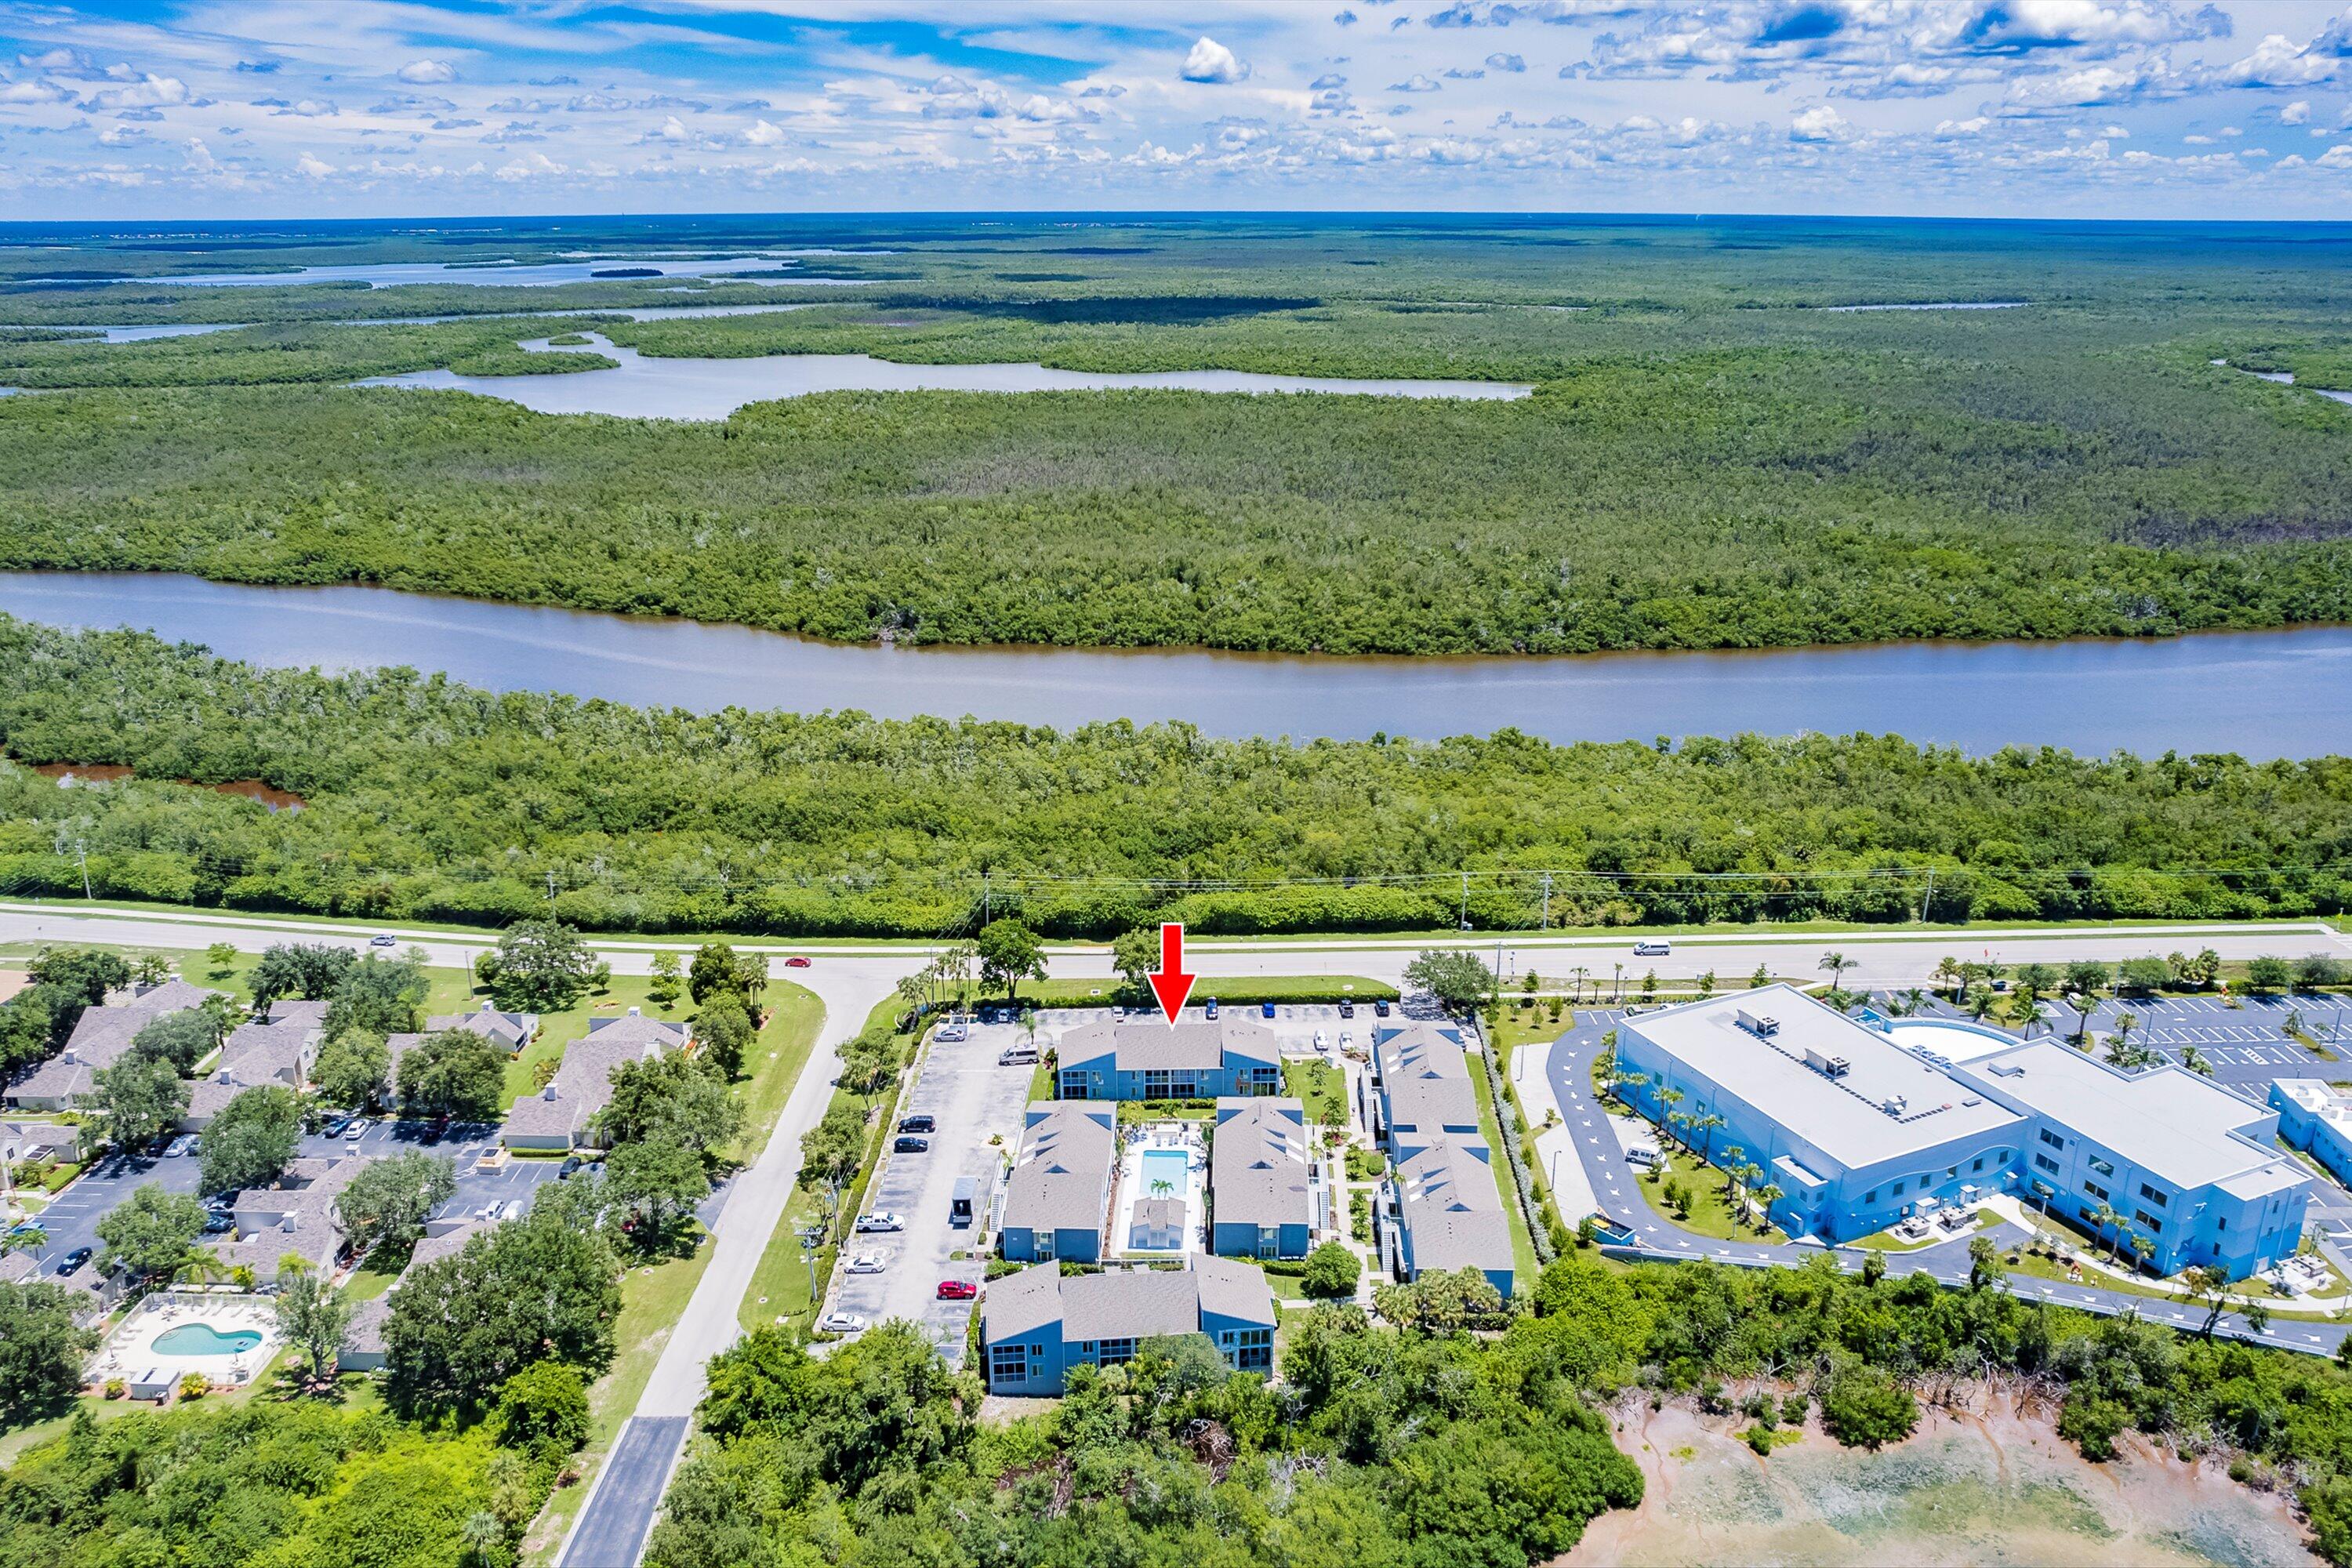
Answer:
(428, 73)
(312, 167)
(1211, 61)
(1821, 123)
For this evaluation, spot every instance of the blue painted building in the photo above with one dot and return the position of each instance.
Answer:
(2174, 1157)
(1035, 1325)
(2316, 1119)
(1262, 1191)
(1857, 1132)
(1057, 1199)
(1195, 1058)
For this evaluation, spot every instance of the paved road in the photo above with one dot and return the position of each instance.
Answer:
(612, 1527)
(611, 1532)
(1882, 959)
(1619, 1191)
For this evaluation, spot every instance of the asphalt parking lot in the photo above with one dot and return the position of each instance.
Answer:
(71, 1220)
(961, 1085)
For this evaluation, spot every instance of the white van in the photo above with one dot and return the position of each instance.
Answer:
(1017, 1057)
(1653, 949)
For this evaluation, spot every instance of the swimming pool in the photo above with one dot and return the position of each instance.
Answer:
(1169, 1166)
(202, 1339)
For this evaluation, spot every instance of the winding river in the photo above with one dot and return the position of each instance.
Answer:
(2264, 694)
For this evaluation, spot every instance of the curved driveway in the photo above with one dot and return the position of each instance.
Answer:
(1621, 1194)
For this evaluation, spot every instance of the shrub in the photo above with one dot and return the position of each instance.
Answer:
(1865, 1409)
(1332, 1271)
(195, 1385)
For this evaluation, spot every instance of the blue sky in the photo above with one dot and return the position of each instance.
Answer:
(195, 109)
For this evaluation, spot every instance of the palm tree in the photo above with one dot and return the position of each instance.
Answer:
(1767, 1195)
(1947, 971)
(2119, 1043)
(2142, 1248)
(1681, 1122)
(28, 1239)
(1706, 1124)
(1836, 965)
(1580, 972)
(1162, 1188)
(1667, 1099)
(2106, 1219)
(2194, 1061)
(1735, 1164)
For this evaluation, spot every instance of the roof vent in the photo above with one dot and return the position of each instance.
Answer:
(1757, 1023)
(634, 1013)
(1825, 1064)
(1894, 1104)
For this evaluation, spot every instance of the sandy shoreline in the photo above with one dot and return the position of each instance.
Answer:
(1990, 1484)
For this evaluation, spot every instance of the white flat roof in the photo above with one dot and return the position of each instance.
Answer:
(1844, 1117)
(2172, 1123)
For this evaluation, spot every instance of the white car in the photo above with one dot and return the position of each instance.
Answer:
(1322, 1044)
(1346, 1042)
(841, 1324)
(178, 1146)
(865, 1263)
(880, 1219)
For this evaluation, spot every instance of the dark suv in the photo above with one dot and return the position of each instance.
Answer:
(911, 1146)
(918, 1125)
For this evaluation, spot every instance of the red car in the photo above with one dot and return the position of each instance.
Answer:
(796, 962)
(957, 1290)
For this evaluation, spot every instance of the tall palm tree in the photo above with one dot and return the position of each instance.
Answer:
(2106, 1220)
(1767, 1195)
(1836, 965)
(2142, 1248)
(1707, 1125)
(1735, 1166)
(1947, 971)
(1580, 972)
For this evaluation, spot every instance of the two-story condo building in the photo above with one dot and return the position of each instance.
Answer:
(1196, 1059)
(1421, 1088)
(1262, 1195)
(1057, 1200)
(1035, 1325)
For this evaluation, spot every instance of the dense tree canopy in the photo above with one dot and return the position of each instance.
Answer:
(428, 800)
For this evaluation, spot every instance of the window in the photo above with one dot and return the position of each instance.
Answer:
(1117, 1353)
(2152, 1195)
(1256, 1352)
(1871, 1196)
(2095, 1190)
(2104, 1167)
(1978, 1166)
(1155, 1083)
(1950, 1172)
(2045, 1162)
(2052, 1139)
(2222, 1223)
(1008, 1363)
(2148, 1220)
(1895, 1191)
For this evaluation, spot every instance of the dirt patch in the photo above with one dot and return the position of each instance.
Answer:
(1988, 1484)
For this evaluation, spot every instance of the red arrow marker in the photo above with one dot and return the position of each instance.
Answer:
(1169, 982)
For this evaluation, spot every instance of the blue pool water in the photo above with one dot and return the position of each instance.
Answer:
(202, 1339)
(1168, 1165)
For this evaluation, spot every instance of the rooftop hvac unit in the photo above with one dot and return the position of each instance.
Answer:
(1894, 1104)
(1821, 1062)
(1757, 1023)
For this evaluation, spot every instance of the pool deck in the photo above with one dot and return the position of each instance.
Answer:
(1161, 1140)
(129, 1352)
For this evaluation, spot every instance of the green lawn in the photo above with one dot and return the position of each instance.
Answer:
(1886, 1240)
(1711, 1213)
(780, 1286)
(652, 1297)
(1523, 1250)
(1321, 1087)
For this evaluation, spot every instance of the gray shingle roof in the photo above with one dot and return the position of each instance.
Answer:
(1448, 1202)
(508, 1030)
(297, 1010)
(265, 1053)
(167, 996)
(1196, 1044)
(1021, 1303)
(1257, 1162)
(1234, 1290)
(1425, 1081)
(582, 1085)
(1063, 1178)
(1138, 1305)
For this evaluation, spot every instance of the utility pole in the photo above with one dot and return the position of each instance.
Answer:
(550, 891)
(81, 856)
(1930, 897)
(1547, 901)
(987, 898)
(1462, 920)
